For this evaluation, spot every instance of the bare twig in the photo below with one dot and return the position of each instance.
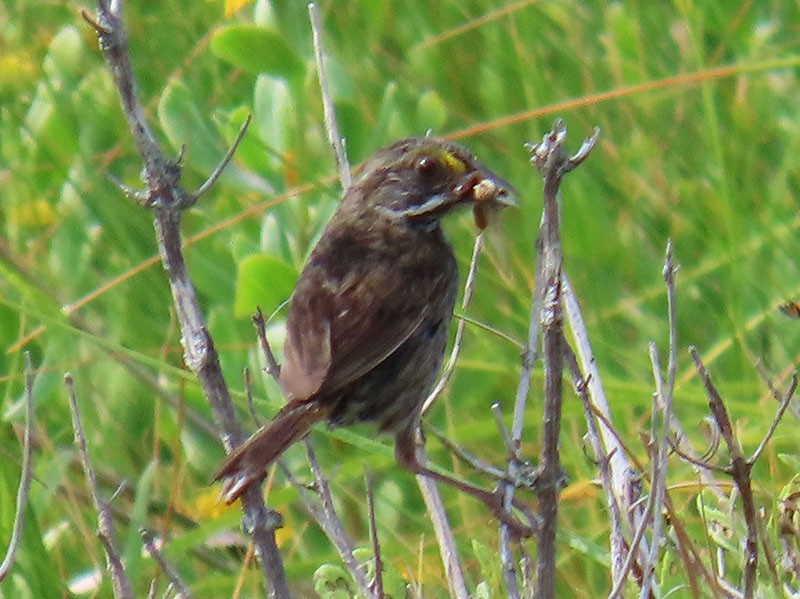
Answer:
(26, 472)
(261, 330)
(526, 478)
(616, 535)
(787, 399)
(373, 536)
(631, 562)
(740, 470)
(213, 177)
(169, 571)
(167, 199)
(769, 553)
(551, 160)
(427, 488)
(530, 354)
(331, 125)
(619, 545)
(248, 390)
(645, 569)
(794, 407)
(700, 462)
(330, 520)
(320, 506)
(469, 288)
(332, 524)
(624, 483)
(663, 401)
(444, 537)
(105, 526)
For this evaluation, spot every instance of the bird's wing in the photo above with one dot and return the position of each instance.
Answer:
(337, 332)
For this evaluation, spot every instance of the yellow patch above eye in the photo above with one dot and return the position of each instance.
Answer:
(452, 162)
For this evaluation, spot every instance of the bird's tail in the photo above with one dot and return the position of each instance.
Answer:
(248, 463)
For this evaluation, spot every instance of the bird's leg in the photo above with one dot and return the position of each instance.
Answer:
(525, 478)
(407, 454)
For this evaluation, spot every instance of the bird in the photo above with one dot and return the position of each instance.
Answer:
(368, 321)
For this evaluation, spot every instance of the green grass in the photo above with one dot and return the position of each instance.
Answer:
(697, 102)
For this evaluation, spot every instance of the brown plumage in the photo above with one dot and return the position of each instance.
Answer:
(367, 327)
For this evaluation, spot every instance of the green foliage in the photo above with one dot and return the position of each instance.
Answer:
(257, 50)
(708, 160)
(262, 279)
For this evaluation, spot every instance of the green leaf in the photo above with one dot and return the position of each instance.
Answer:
(273, 108)
(332, 581)
(257, 50)
(263, 281)
(31, 574)
(64, 57)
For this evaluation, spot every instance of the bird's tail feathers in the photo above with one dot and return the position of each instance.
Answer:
(248, 462)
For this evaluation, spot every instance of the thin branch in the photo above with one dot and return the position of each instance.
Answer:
(551, 160)
(261, 330)
(169, 571)
(324, 512)
(502, 429)
(652, 511)
(26, 472)
(688, 552)
(740, 470)
(518, 345)
(454, 572)
(330, 520)
(469, 289)
(331, 126)
(680, 445)
(625, 486)
(105, 526)
(662, 404)
(794, 407)
(769, 553)
(787, 399)
(167, 199)
(630, 555)
(530, 354)
(701, 462)
(248, 390)
(332, 524)
(526, 478)
(616, 535)
(373, 535)
(214, 176)
(151, 592)
(320, 506)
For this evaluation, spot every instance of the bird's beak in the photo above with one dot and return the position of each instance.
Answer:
(482, 186)
(492, 188)
(489, 193)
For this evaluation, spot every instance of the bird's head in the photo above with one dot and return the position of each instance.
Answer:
(421, 179)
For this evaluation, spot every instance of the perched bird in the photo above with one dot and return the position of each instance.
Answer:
(368, 321)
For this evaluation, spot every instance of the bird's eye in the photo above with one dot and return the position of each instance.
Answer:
(426, 166)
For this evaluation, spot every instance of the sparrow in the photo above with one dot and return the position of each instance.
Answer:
(369, 317)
